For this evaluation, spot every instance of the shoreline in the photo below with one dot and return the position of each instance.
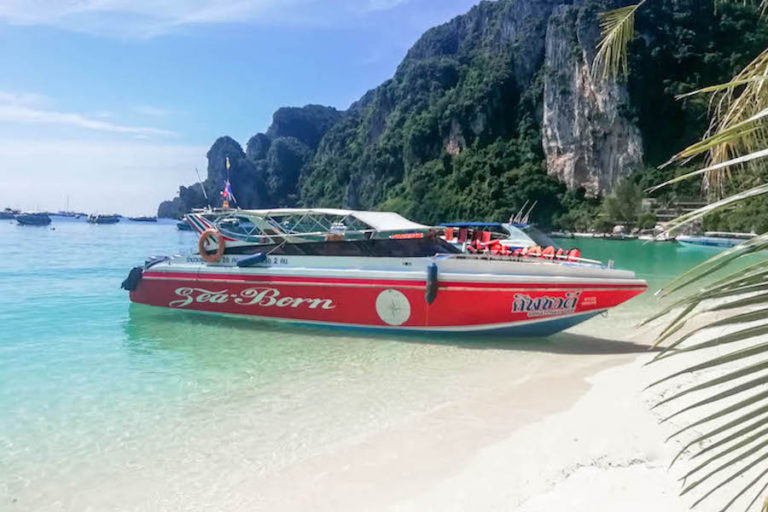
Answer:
(465, 455)
(493, 441)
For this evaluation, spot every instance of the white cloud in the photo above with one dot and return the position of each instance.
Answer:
(27, 108)
(148, 18)
(127, 177)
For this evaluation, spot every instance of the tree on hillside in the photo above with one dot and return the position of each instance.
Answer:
(729, 439)
(624, 204)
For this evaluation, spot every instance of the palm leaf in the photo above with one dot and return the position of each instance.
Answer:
(751, 316)
(617, 28)
(760, 434)
(718, 88)
(722, 165)
(733, 431)
(736, 399)
(742, 372)
(719, 205)
(705, 270)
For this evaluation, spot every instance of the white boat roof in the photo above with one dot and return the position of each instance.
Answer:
(380, 221)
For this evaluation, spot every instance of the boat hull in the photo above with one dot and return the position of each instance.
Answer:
(521, 308)
(33, 220)
(706, 241)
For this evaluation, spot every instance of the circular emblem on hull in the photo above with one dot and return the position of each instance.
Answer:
(393, 307)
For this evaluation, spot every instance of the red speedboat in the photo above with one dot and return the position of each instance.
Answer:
(371, 270)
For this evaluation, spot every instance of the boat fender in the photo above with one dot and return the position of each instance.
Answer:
(252, 260)
(431, 292)
(221, 245)
(132, 281)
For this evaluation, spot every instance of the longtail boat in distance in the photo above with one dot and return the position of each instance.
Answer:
(716, 239)
(33, 219)
(372, 270)
(102, 218)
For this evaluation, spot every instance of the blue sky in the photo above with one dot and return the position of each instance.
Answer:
(113, 103)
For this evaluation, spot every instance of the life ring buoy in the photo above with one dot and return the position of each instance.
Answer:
(574, 255)
(211, 258)
(548, 253)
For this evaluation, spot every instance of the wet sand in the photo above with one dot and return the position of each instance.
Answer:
(574, 435)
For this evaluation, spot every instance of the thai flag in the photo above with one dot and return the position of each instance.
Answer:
(227, 192)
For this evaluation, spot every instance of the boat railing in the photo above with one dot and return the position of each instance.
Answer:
(522, 259)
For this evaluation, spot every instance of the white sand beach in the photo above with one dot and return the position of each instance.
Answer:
(578, 436)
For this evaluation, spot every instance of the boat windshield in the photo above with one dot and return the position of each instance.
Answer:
(537, 236)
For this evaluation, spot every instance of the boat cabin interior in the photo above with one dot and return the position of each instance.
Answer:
(521, 235)
(322, 232)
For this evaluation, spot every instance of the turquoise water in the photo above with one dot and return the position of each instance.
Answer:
(97, 395)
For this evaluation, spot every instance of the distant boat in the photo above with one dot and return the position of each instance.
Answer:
(619, 236)
(143, 219)
(98, 218)
(650, 237)
(33, 219)
(183, 225)
(8, 214)
(716, 239)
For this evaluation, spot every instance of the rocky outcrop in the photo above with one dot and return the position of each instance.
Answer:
(493, 109)
(257, 147)
(307, 124)
(267, 174)
(588, 139)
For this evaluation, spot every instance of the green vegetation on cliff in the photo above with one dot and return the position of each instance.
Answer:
(456, 133)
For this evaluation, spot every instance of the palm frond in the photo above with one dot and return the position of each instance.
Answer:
(705, 269)
(718, 87)
(731, 108)
(617, 28)
(676, 224)
(731, 134)
(733, 431)
(736, 161)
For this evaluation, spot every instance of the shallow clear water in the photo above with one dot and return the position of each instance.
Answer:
(92, 387)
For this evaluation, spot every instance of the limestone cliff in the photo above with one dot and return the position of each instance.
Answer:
(587, 137)
(493, 109)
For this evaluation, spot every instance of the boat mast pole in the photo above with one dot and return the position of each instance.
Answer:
(202, 188)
